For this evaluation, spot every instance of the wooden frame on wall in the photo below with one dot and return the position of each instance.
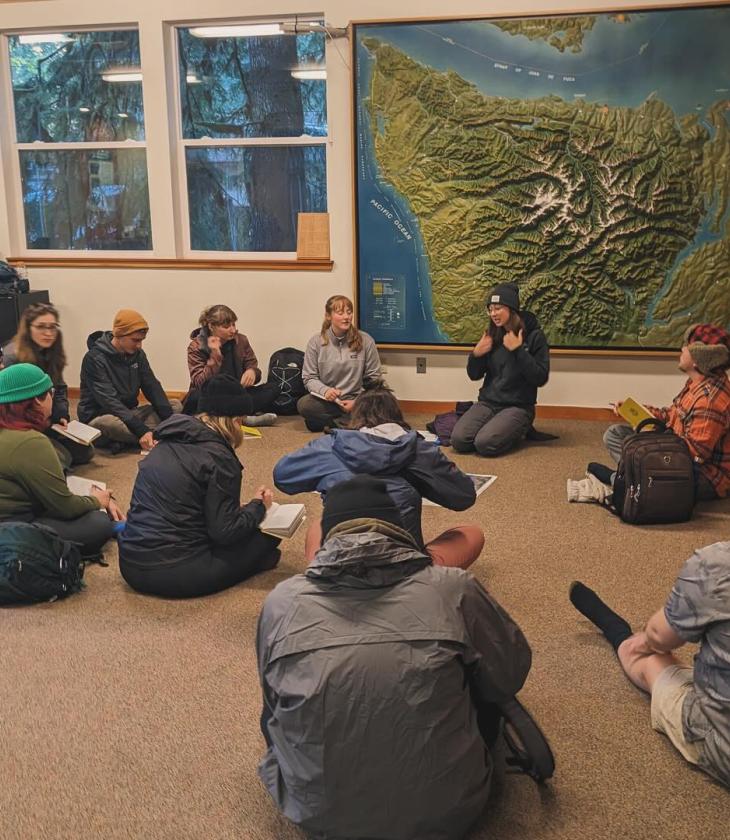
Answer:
(573, 153)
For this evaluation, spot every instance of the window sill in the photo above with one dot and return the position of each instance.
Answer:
(144, 262)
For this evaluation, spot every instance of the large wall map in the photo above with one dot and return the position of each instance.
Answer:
(586, 158)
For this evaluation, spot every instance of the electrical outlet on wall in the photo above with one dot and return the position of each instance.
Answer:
(420, 364)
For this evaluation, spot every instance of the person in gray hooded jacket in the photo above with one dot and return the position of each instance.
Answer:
(378, 670)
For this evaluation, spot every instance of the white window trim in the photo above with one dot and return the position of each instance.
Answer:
(19, 238)
(181, 144)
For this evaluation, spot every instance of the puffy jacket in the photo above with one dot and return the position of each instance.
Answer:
(511, 378)
(186, 498)
(59, 411)
(410, 467)
(111, 382)
(371, 664)
(202, 366)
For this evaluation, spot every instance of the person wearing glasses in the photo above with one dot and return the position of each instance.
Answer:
(32, 484)
(513, 358)
(39, 342)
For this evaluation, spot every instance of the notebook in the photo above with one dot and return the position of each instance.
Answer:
(282, 520)
(633, 412)
(481, 482)
(77, 432)
(82, 486)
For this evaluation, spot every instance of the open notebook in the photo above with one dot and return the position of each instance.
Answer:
(82, 486)
(77, 432)
(282, 520)
(481, 482)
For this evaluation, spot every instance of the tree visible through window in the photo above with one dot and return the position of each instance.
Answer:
(71, 90)
(254, 123)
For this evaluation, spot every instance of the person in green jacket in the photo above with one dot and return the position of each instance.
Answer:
(32, 484)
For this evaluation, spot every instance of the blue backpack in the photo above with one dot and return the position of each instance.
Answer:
(36, 564)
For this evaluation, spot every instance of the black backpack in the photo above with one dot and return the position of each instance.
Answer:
(11, 283)
(36, 564)
(285, 370)
(655, 480)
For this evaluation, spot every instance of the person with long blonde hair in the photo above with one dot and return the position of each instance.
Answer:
(338, 362)
(187, 533)
(39, 342)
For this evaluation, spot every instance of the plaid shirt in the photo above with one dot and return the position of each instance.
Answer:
(700, 414)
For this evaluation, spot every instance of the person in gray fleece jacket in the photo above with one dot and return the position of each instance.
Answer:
(338, 361)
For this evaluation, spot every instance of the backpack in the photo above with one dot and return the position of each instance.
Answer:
(285, 370)
(442, 425)
(655, 478)
(11, 283)
(529, 749)
(36, 564)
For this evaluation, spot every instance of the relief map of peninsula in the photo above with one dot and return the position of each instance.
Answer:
(585, 158)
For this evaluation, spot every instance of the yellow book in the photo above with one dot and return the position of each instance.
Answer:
(633, 412)
(250, 432)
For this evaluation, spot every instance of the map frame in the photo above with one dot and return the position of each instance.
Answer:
(361, 239)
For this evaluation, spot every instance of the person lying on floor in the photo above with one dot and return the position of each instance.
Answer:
(691, 706)
(381, 675)
(32, 484)
(379, 442)
(699, 414)
(187, 533)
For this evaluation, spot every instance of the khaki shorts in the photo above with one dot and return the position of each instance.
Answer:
(667, 699)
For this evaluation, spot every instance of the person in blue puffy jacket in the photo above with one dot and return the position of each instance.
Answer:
(380, 443)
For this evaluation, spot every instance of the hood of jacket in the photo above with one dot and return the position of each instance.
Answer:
(180, 428)
(531, 322)
(102, 340)
(382, 450)
(367, 553)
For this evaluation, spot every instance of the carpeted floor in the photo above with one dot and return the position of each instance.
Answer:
(124, 716)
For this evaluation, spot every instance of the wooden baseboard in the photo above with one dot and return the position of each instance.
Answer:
(544, 412)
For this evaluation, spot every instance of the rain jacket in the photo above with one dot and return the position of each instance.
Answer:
(111, 382)
(410, 466)
(371, 664)
(511, 378)
(186, 499)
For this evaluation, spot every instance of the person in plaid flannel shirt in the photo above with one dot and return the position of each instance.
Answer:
(699, 414)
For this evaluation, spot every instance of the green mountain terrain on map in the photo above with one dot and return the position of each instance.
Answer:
(587, 207)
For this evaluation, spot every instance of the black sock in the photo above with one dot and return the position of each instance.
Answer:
(613, 627)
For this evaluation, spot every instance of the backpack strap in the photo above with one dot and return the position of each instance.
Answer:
(529, 748)
(658, 424)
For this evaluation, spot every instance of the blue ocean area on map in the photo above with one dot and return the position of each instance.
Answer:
(620, 64)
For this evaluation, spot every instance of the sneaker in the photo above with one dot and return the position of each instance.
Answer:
(603, 473)
(267, 419)
(588, 489)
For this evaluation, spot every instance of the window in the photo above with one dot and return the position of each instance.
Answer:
(252, 134)
(80, 140)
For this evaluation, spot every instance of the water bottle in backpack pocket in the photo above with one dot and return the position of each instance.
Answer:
(655, 477)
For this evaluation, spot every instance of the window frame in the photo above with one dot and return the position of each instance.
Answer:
(14, 183)
(181, 144)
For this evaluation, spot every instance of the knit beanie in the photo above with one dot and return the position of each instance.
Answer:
(709, 347)
(362, 497)
(224, 396)
(23, 382)
(128, 321)
(505, 294)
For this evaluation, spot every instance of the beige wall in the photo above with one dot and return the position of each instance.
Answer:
(279, 308)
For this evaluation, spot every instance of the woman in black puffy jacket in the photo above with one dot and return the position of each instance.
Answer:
(187, 533)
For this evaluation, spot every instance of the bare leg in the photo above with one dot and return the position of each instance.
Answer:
(459, 546)
(312, 540)
(641, 664)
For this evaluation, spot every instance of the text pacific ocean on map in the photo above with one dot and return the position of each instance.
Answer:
(586, 158)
